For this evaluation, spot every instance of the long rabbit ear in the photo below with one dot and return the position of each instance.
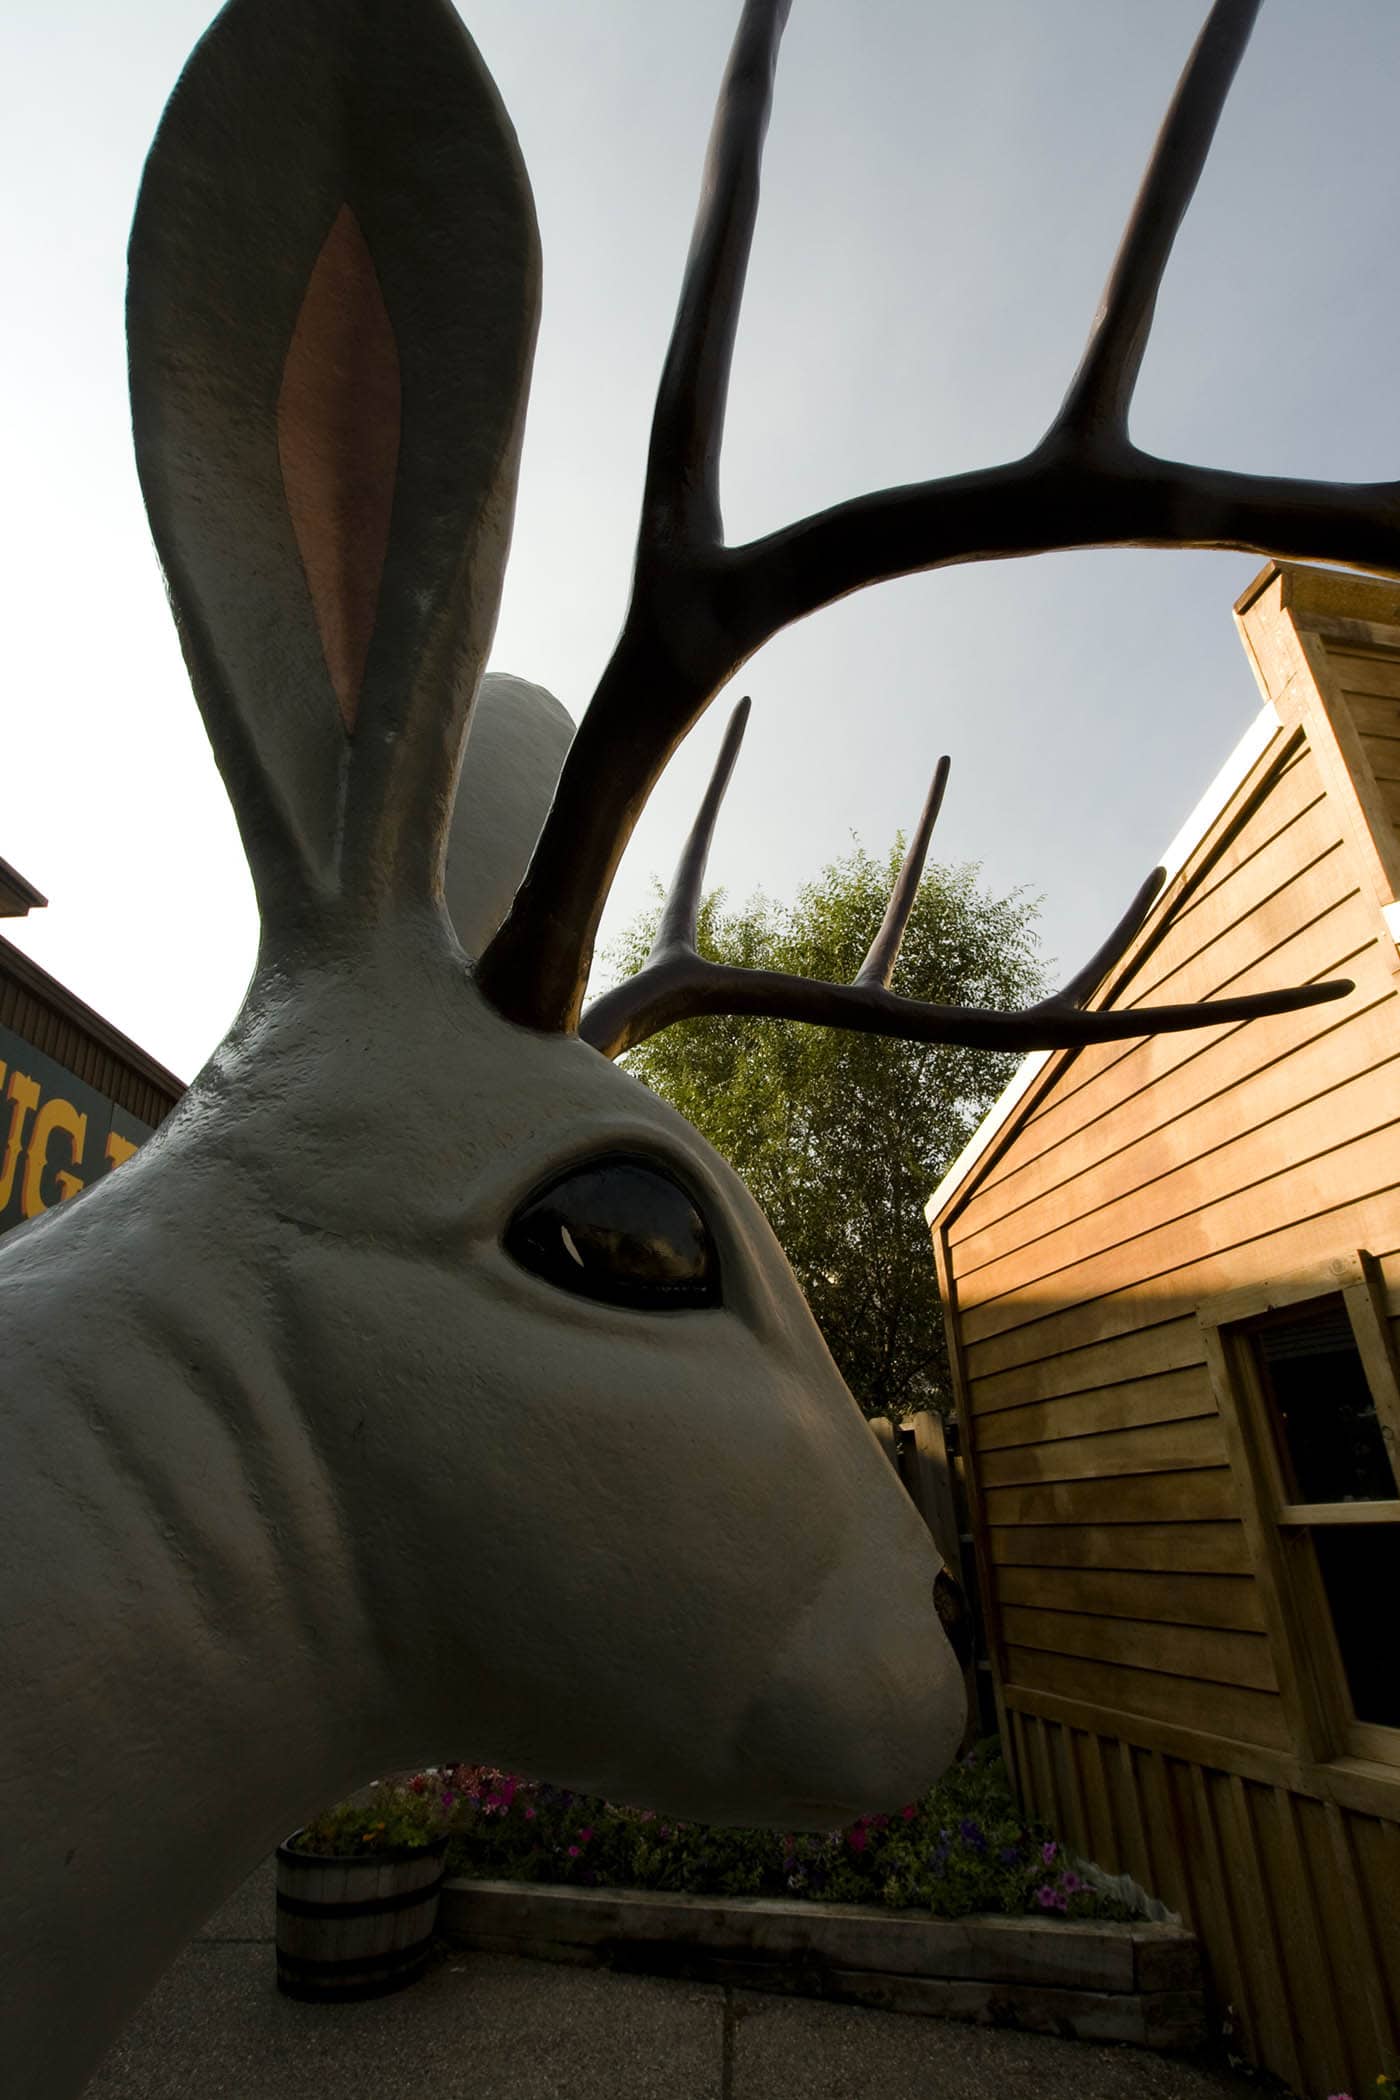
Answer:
(333, 295)
(515, 747)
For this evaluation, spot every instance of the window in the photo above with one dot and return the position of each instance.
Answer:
(1306, 1381)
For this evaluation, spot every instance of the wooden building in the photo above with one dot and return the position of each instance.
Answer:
(1171, 1278)
(76, 1096)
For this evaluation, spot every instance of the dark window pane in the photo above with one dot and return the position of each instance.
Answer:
(1329, 1435)
(1360, 1566)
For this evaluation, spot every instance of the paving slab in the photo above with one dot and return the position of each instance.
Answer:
(789, 2049)
(498, 2027)
(479, 2027)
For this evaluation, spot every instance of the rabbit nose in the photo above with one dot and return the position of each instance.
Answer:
(864, 1706)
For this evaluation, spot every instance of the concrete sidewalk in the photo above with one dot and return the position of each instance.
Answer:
(484, 2027)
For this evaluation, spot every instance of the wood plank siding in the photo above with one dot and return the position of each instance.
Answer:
(1154, 1702)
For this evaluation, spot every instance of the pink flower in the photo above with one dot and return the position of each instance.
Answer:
(573, 1851)
(1047, 1852)
(584, 1835)
(856, 1838)
(909, 1813)
(529, 1815)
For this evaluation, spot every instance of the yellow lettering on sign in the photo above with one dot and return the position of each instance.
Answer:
(118, 1148)
(55, 1115)
(23, 1094)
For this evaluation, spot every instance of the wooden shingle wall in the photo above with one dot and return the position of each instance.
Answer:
(1138, 1679)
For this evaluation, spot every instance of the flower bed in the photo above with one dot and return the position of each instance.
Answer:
(965, 1848)
(954, 1905)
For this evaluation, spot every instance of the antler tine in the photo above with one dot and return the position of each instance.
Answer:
(630, 1012)
(1111, 951)
(1101, 393)
(681, 911)
(681, 495)
(878, 967)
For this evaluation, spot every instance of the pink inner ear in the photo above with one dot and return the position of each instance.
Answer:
(338, 416)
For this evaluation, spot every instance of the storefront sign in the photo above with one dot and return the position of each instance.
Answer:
(56, 1133)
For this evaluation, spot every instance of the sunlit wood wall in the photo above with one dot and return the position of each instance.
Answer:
(1148, 1705)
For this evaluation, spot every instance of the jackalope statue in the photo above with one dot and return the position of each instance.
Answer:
(426, 1382)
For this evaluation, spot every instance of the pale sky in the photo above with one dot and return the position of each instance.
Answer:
(945, 186)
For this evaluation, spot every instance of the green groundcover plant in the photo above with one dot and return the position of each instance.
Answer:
(387, 1816)
(965, 1847)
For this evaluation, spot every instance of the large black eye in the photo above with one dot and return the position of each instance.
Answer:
(619, 1229)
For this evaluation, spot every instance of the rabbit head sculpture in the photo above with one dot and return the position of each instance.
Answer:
(426, 1383)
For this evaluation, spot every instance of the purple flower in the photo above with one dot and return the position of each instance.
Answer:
(1047, 1852)
(1045, 1896)
(1071, 1884)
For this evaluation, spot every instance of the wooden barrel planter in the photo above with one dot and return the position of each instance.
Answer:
(356, 1926)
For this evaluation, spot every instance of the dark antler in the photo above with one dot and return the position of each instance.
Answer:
(699, 609)
(676, 982)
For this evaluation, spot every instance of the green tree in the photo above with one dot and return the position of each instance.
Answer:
(842, 1137)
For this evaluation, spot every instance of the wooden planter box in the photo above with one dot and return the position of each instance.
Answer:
(1088, 1982)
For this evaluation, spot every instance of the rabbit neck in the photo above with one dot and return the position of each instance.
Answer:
(197, 1664)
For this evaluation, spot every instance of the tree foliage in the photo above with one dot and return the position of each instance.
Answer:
(841, 1137)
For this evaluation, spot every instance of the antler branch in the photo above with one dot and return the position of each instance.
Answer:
(699, 610)
(1055, 499)
(677, 983)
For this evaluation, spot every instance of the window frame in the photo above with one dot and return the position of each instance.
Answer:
(1312, 1678)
